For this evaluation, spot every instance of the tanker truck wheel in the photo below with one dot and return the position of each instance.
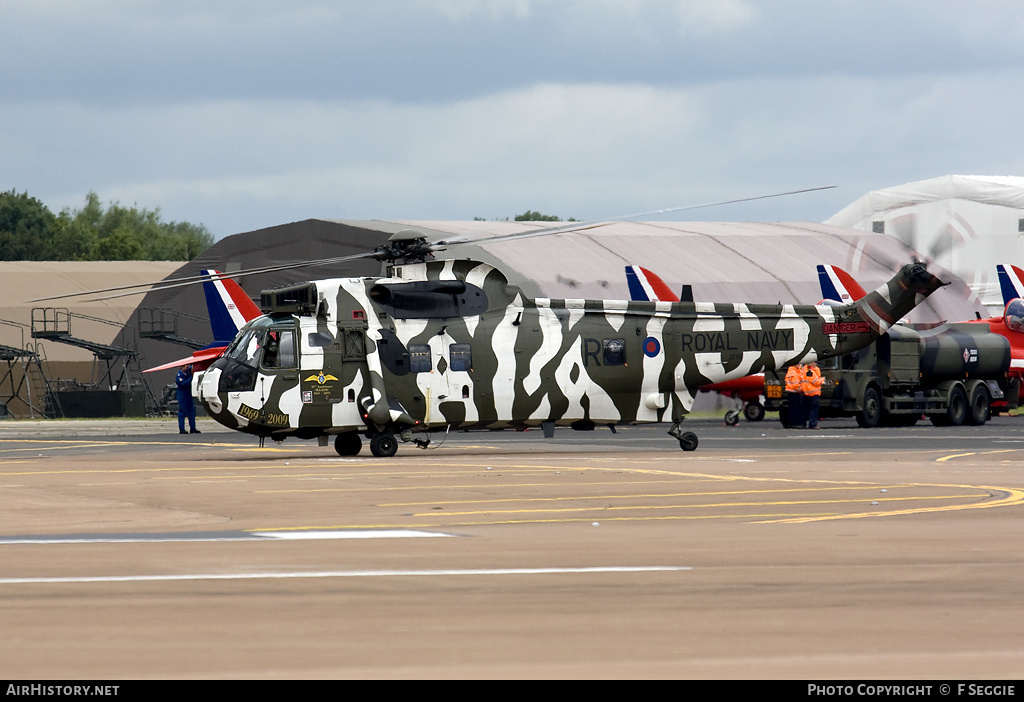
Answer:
(871, 415)
(956, 409)
(754, 411)
(980, 405)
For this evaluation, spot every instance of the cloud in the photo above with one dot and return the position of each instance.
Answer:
(248, 114)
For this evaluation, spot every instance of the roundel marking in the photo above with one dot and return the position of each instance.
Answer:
(652, 347)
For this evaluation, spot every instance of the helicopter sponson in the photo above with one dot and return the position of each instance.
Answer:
(451, 344)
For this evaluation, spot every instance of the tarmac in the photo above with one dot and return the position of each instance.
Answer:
(132, 552)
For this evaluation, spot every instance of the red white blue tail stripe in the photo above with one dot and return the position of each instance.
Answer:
(839, 286)
(230, 308)
(644, 285)
(1011, 282)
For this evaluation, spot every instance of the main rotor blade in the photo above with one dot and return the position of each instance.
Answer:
(137, 289)
(593, 224)
(142, 288)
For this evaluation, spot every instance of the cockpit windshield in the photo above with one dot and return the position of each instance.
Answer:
(1014, 315)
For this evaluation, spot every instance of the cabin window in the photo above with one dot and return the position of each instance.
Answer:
(419, 358)
(461, 356)
(614, 352)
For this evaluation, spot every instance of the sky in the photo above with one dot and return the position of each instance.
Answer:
(242, 114)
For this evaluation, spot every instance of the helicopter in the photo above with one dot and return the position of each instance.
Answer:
(440, 344)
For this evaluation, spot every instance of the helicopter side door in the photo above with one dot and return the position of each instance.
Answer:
(443, 367)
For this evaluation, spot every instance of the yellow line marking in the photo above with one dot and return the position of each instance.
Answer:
(83, 442)
(389, 488)
(647, 495)
(609, 508)
(567, 520)
(1012, 497)
(973, 453)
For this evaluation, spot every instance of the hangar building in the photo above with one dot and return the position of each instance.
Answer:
(105, 326)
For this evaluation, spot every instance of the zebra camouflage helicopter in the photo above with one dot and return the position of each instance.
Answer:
(437, 344)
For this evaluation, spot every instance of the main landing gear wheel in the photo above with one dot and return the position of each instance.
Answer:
(384, 445)
(688, 441)
(348, 444)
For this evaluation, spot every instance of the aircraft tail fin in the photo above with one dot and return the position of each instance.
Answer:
(645, 285)
(838, 285)
(1011, 282)
(230, 308)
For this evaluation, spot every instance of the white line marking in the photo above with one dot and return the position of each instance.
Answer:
(235, 536)
(336, 574)
(374, 534)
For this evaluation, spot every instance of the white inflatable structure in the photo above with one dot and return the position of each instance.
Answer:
(966, 224)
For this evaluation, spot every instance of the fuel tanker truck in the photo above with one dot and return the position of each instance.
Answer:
(951, 374)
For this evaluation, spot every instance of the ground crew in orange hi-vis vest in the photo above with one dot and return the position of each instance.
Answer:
(796, 417)
(811, 387)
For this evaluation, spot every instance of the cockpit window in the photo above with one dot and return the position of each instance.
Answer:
(319, 340)
(279, 349)
(245, 348)
(256, 346)
(238, 364)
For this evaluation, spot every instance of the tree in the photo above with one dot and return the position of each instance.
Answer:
(120, 233)
(534, 216)
(26, 227)
(122, 244)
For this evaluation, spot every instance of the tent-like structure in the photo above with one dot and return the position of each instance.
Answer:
(967, 224)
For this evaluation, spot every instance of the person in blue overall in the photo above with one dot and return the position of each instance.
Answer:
(186, 406)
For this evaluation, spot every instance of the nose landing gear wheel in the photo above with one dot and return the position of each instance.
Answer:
(384, 445)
